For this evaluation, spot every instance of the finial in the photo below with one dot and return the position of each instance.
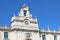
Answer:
(54, 30)
(59, 28)
(24, 4)
(5, 26)
(43, 29)
(18, 13)
(36, 18)
(48, 27)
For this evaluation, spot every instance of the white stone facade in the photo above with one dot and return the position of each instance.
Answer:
(25, 27)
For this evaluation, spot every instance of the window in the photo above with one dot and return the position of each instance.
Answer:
(55, 37)
(26, 22)
(25, 12)
(5, 35)
(43, 37)
(28, 35)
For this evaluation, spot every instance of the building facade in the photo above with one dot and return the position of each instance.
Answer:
(25, 27)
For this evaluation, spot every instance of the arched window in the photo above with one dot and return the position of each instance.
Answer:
(5, 35)
(43, 37)
(28, 35)
(25, 12)
(55, 37)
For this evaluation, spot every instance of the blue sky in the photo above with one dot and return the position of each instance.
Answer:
(47, 11)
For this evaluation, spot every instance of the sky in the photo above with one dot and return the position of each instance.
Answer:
(46, 11)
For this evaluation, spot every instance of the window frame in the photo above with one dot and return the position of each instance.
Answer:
(25, 12)
(5, 35)
(43, 37)
(55, 37)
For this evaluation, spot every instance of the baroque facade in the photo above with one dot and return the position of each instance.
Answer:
(25, 27)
